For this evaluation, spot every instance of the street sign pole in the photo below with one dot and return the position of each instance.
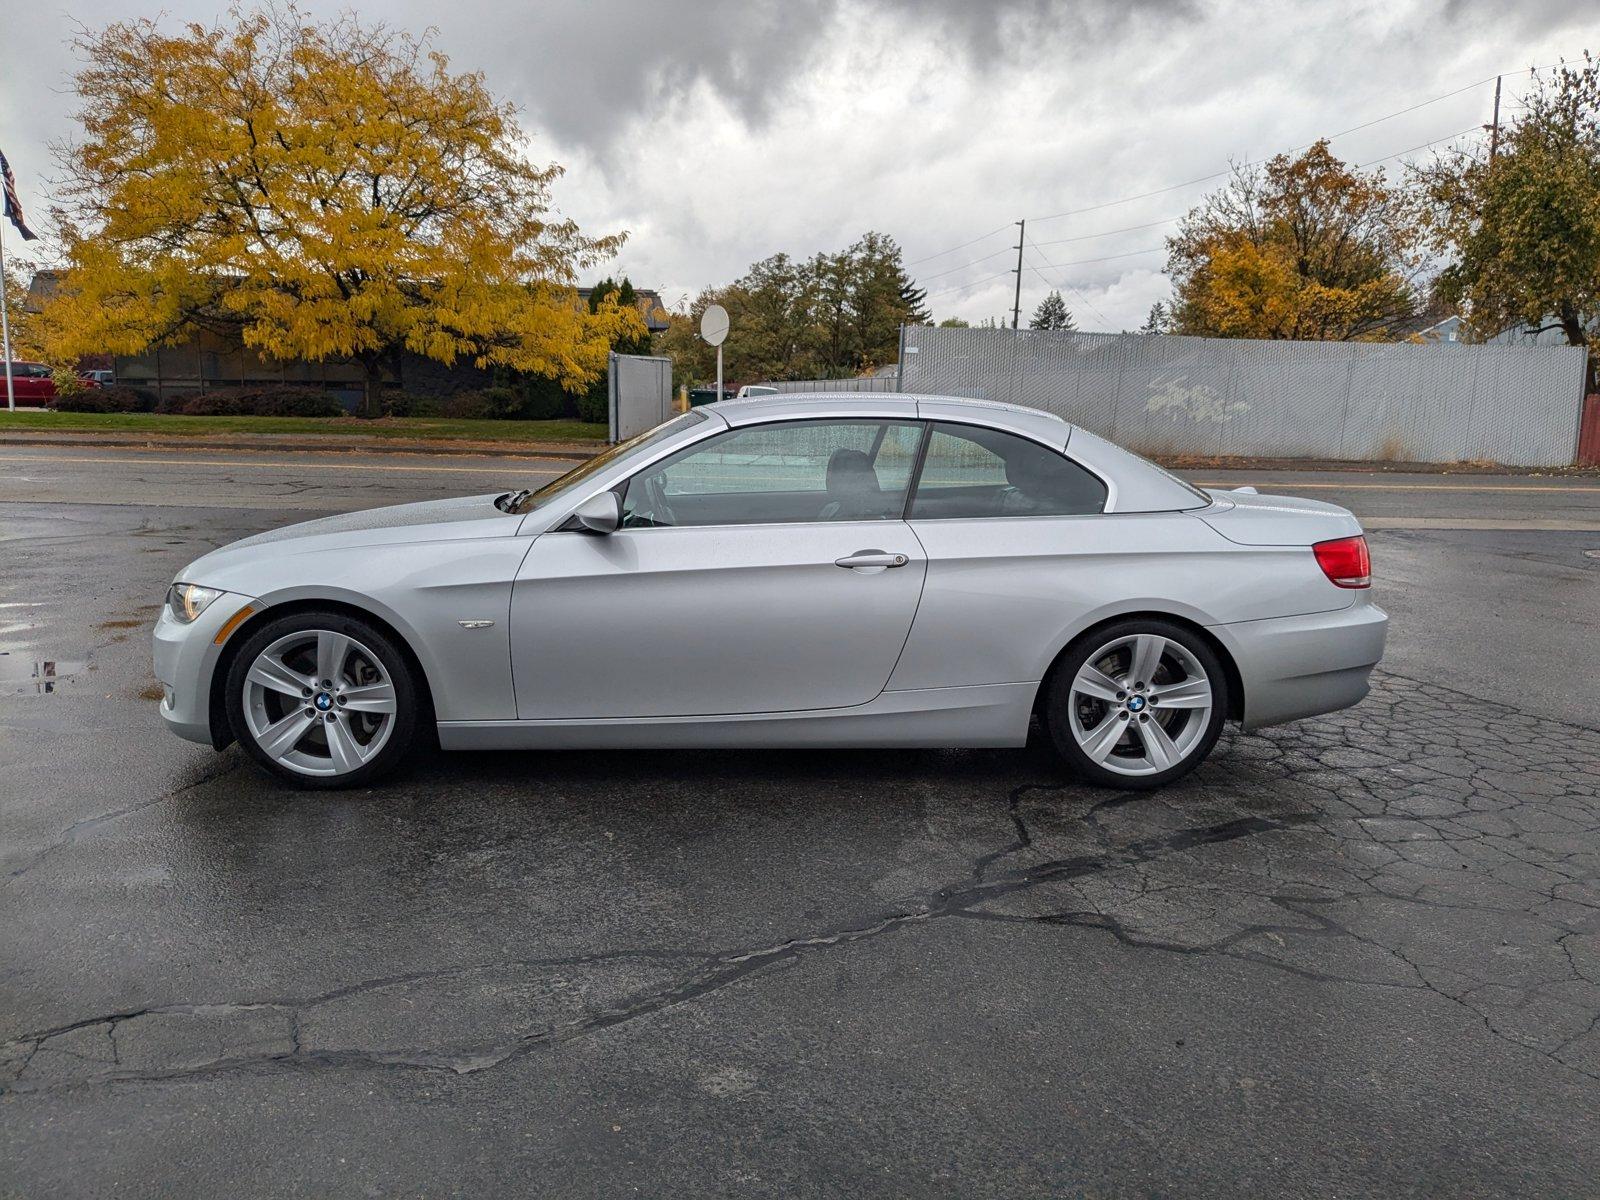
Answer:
(714, 331)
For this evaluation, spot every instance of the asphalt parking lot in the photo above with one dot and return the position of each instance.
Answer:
(1354, 956)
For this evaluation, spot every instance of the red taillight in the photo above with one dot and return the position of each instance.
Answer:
(1345, 562)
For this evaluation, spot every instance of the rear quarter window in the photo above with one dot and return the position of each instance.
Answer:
(975, 472)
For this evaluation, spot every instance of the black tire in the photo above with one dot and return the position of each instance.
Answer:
(409, 699)
(1058, 701)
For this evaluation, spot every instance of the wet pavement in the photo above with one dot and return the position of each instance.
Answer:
(1358, 955)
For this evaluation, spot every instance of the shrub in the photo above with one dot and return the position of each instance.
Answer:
(67, 382)
(594, 405)
(256, 402)
(465, 406)
(118, 398)
(544, 399)
(532, 398)
(406, 404)
(504, 403)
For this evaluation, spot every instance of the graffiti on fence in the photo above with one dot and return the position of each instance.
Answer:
(1172, 395)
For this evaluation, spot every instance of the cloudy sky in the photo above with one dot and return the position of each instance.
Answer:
(720, 131)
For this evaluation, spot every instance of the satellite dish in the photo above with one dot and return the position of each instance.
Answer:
(714, 325)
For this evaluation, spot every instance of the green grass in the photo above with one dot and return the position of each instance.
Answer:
(430, 428)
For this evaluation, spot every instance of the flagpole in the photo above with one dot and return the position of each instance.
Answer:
(5, 327)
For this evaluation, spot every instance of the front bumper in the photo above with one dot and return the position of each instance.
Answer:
(185, 657)
(1294, 667)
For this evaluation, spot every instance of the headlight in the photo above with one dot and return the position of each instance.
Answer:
(186, 601)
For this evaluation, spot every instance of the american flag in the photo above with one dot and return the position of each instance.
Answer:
(13, 205)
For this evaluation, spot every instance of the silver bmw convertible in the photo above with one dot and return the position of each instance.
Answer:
(818, 570)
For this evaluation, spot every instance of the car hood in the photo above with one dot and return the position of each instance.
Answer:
(1253, 520)
(426, 521)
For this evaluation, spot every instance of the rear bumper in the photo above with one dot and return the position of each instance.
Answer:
(185, 657)
(1294, 667)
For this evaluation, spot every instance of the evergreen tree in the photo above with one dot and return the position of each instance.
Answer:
(1052, 314)
(913, 301)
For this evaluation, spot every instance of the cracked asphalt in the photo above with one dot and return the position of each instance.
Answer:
(1353, 956)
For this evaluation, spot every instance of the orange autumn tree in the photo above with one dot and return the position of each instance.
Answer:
(323, 190)
(1306, 248)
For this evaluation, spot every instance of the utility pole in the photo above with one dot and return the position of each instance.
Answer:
(1494, 130)
(1016, 302)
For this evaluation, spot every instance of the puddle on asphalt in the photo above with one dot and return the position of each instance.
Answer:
(34, 676)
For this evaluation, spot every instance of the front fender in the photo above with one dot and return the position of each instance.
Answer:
(424, 591)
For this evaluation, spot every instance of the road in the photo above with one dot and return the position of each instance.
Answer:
(1358, 955)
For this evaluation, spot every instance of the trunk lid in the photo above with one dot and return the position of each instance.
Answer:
(1254, 520)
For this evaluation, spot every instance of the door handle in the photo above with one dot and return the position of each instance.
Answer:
(872, 558)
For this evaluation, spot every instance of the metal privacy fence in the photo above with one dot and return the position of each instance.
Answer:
(872, 383)
(1204, 397)
(639, 388)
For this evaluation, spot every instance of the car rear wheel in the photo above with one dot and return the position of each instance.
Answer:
(1137, 704)
(322, 700)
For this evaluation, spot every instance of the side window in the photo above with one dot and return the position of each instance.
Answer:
(788, 471)
(971, 471)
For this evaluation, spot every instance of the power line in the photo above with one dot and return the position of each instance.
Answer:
(1371, 162)
(1206, 178)
(1329, 137)
(1079, 262)
(1253, 162)
(1089, 237)
(965, 265)
(963, 287)
(962, 246)
(1064, 284)
(1171, 188)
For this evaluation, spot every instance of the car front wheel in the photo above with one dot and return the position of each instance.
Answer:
(322, 700)
(1136, 704)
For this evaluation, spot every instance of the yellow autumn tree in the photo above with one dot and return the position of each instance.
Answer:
(27, 334)
(322, 190)
(1305, 247)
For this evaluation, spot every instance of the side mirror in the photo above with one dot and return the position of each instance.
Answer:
(600, 514)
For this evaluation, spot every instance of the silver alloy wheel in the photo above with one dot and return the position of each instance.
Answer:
(1140, 704)
(319, 702)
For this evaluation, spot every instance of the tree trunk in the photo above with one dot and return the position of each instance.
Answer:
(372, 396)
(1578, 336)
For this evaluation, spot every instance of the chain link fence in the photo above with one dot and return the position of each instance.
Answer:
(1203, 397)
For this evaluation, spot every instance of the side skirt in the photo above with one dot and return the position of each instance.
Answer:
(994, 714)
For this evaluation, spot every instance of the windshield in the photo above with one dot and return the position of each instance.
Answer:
(529, 501)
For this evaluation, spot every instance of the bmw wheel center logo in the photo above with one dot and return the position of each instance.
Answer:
(324, 701)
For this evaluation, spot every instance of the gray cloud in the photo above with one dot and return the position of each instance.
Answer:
(588, 72)
(719, 132)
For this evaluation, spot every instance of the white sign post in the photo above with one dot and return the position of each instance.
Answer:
(714, 331)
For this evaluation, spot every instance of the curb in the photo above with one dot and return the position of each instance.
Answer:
(565, 450)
